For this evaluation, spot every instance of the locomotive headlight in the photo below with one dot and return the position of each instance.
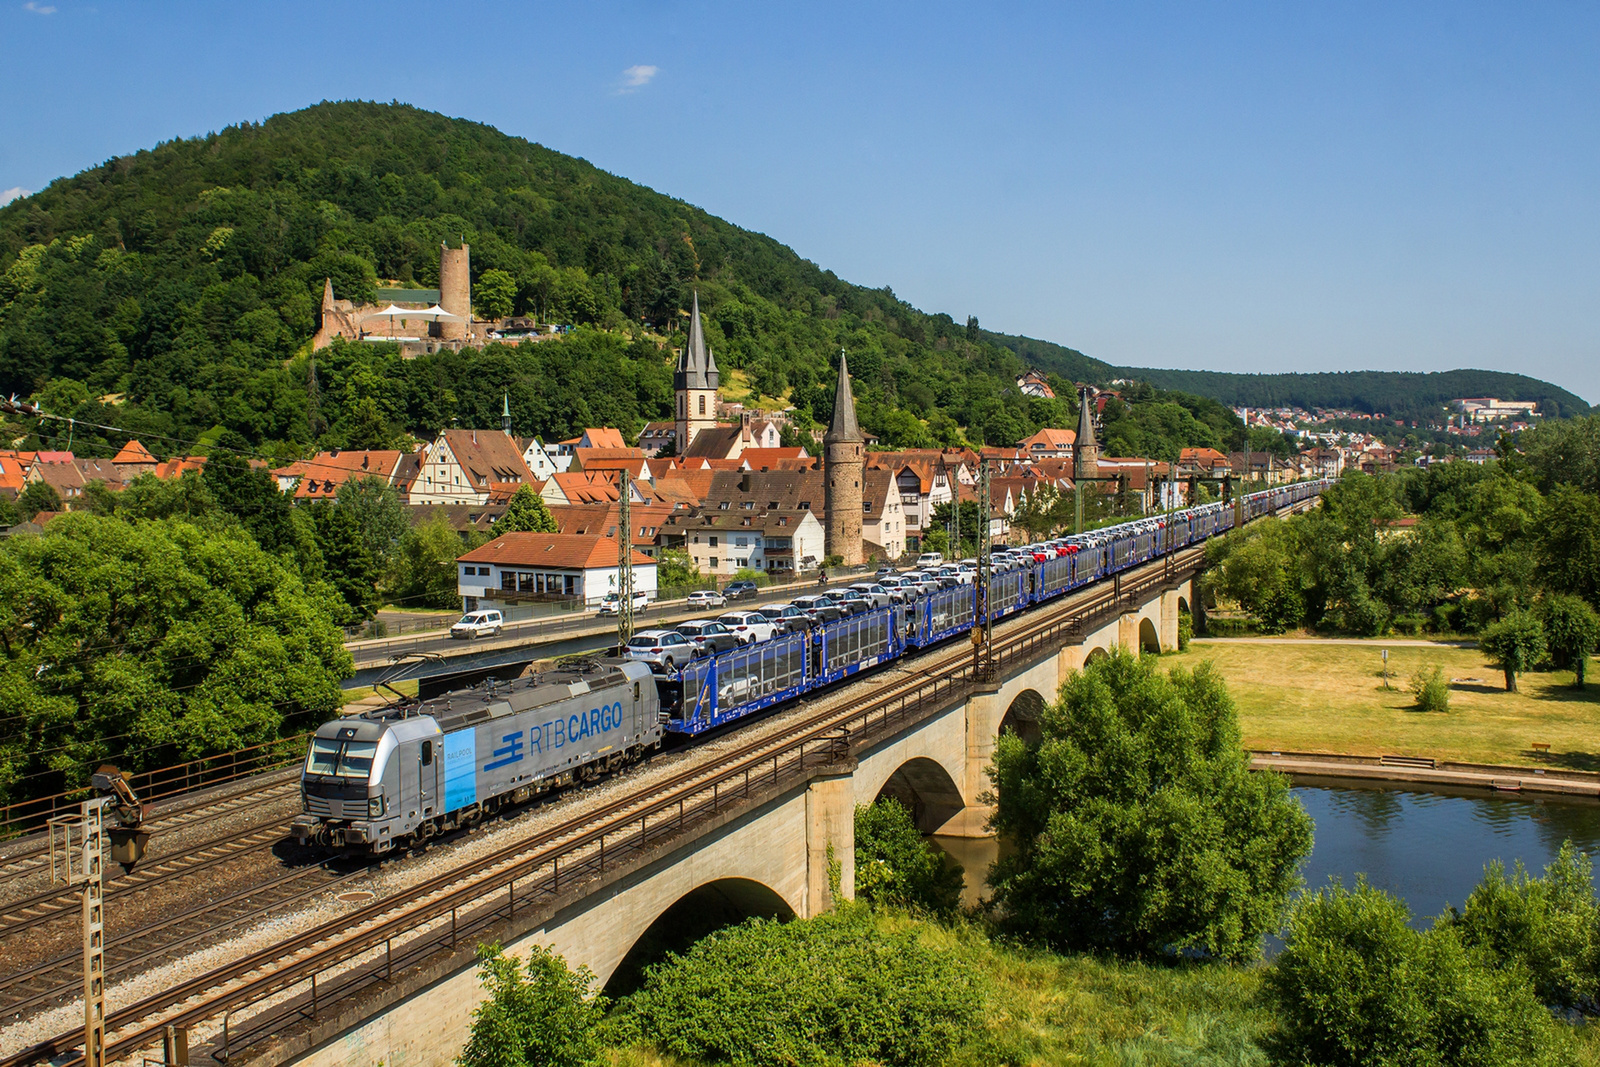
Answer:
(375, 807)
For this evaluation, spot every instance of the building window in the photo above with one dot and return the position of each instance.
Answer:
(713, 544)
(702, 405)
(748, 505)
(724, 505)
(713, 562)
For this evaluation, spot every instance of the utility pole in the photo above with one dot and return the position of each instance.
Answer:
(77, 858)
(982, 631)
(624, 562)
(1077, 493)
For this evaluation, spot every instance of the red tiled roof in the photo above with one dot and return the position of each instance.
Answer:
(133, 453)
(562, 551)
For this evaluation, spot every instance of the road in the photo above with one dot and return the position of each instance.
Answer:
(373, 652)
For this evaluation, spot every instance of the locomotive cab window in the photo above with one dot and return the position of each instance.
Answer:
(427, 753)
(342, 759)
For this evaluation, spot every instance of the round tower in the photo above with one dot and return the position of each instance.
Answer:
(455, 290)
(843, 463)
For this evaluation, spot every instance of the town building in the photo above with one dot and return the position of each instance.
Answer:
(778, 541)
(1048, 443)
(1086, 458)
(526, 574)
(1033, 383)
(470, 467)
(694, 384)
(842, 468)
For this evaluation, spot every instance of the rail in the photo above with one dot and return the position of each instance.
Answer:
(161, 783)
(624, 831)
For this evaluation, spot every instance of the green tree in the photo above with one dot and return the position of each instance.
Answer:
(840, 988)
(495, 294)
(897, 867)
(379, 514)
(347, 563)
(1355, 985)
(426, 574)
(1569, 543)
(539, 1014)
(9, 515)
(526, 511)
(154, 641)
(675, 570)
(248, 493)
(1572, 632)
(1549, 927)
(1139, 826)
(1514, 644)
(36, 497)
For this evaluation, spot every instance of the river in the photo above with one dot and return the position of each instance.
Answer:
(1429, 847)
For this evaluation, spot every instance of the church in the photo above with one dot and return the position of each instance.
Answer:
(700, 435)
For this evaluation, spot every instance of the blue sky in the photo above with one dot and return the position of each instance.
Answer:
(1236, 187)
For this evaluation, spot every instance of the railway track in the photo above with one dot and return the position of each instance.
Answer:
(31, 855)
(60, 978)
(341, 957)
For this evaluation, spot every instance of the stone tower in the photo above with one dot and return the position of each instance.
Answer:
(1086, 452)
(695, 383)
(455, 290)
(842, 466)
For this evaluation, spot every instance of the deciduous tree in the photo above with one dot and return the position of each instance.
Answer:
(1514, 644)
(526, 511)
(1139, 826)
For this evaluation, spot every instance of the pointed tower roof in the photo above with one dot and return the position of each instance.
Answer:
(696, 368)
(844, 427)
(1085, 421)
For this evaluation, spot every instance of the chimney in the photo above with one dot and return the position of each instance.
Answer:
(744, 424)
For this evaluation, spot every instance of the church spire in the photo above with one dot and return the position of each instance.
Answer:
(697, 369)
(844, 427)
(505, 413)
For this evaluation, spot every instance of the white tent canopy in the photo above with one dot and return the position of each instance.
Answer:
(392, 312)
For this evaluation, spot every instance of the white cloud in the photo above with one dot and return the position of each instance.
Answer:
(637, 77)
(38, 8)
(16, 192)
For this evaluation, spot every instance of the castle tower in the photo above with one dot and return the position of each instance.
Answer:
(1086, 466)
(695, 383)
(842, 466)
(455, 290)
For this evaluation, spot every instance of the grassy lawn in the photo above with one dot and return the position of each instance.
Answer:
(408, 687)
(1330, 698)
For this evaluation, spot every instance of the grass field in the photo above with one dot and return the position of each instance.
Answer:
(1328, 697)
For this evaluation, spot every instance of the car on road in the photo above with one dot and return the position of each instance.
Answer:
(790, 618)
(930, 559)
(613, 603)
(750, 626)
(707, 598)
(664, 650)
(486, 623)
(884, 572)
(710, 636)
(743, 589)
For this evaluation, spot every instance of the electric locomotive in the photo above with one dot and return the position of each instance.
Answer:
(397, 776)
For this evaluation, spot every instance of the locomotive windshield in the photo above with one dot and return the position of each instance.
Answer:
(344, 759)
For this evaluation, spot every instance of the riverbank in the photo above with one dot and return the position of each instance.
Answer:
(1311, 696)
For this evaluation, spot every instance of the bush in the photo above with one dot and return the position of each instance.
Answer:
(1548, 926)
(1185, 630)
(1430, 689)
(545, 1017)
(750, 574)
(1139, 826)
(835, 989)
(1356, 985)
(896, 867)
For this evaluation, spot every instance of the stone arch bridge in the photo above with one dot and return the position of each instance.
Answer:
(770, 853)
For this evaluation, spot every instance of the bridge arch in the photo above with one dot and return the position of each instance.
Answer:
(926, 789)
(1095, 653)
(704, 909)
(1149, 640)
(1022, 717)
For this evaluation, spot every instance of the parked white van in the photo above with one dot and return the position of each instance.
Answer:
(478, 624)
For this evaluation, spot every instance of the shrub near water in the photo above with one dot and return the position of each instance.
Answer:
(1357, 986)
(1430, 689)
(836, 989)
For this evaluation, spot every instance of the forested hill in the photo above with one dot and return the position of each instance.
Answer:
(1399, 393)
(173, 292)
